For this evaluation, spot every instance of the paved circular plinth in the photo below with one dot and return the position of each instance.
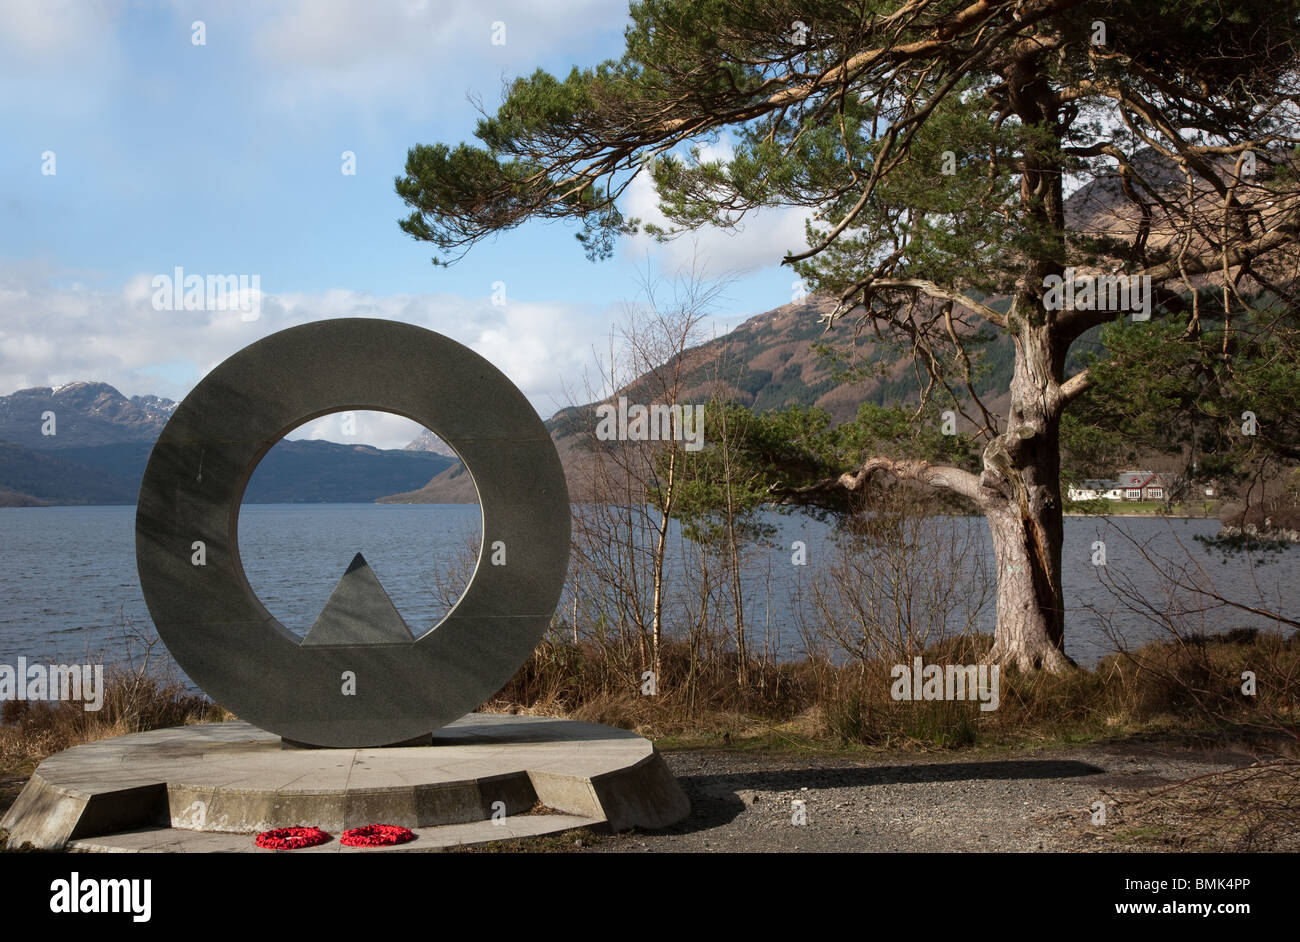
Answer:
(350, 683)
(232, 778)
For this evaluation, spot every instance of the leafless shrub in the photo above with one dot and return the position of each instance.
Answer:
(900, 577)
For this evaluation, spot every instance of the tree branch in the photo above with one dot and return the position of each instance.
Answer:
(1075, 386)
(945, 294)
(938, 476)
(1279, 234)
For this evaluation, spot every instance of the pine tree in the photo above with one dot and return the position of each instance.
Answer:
(934, 141)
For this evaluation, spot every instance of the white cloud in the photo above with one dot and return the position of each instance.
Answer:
(382, 429)
(418, 56)
(339, 35)
(53, 335)
(64, 28)
(760, 240)
(64, 54)
(403, 53)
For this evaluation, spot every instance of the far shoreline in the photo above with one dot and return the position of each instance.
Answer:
(1138, 513)
(455, 503)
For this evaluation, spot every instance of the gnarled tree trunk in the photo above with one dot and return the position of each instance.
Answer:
(1022, 501)
(1030, 629)
(1019, 494)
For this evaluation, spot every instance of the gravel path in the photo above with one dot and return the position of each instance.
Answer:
(1038, 801)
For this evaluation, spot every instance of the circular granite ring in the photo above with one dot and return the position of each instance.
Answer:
(350, 694)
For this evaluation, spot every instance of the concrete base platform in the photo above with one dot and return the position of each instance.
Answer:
(210, 787)
(427, 840)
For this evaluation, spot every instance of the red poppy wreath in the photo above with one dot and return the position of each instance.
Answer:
(376, 835)
(291, 838)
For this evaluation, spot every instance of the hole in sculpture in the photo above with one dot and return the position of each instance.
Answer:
(368, 483)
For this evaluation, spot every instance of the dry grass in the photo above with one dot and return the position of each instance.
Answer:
(599, 684)
(1242, 810)
(134, 701)
(1192, 687)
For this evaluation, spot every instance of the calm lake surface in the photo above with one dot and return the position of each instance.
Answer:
(69, 590)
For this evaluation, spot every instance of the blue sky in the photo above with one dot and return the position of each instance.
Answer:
(226, 158)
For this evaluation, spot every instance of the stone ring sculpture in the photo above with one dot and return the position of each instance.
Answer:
(359, 678)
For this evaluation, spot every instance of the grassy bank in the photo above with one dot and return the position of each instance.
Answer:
(1141, 508)
(1188, 688)
(1191, 687)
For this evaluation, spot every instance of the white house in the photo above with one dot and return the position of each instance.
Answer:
(1130, 485)
(1095, 490)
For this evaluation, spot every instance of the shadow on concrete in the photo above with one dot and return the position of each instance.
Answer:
(715, 799)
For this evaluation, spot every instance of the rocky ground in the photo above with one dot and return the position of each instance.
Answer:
(1040, 801)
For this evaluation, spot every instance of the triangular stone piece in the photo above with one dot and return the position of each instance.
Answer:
(359, 611)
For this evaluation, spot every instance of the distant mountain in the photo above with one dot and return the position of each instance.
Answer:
(292, 472)
(102, 443)
(427, 441)
(84, 414)
(454, 486)
(327, 472)
(34, 478)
